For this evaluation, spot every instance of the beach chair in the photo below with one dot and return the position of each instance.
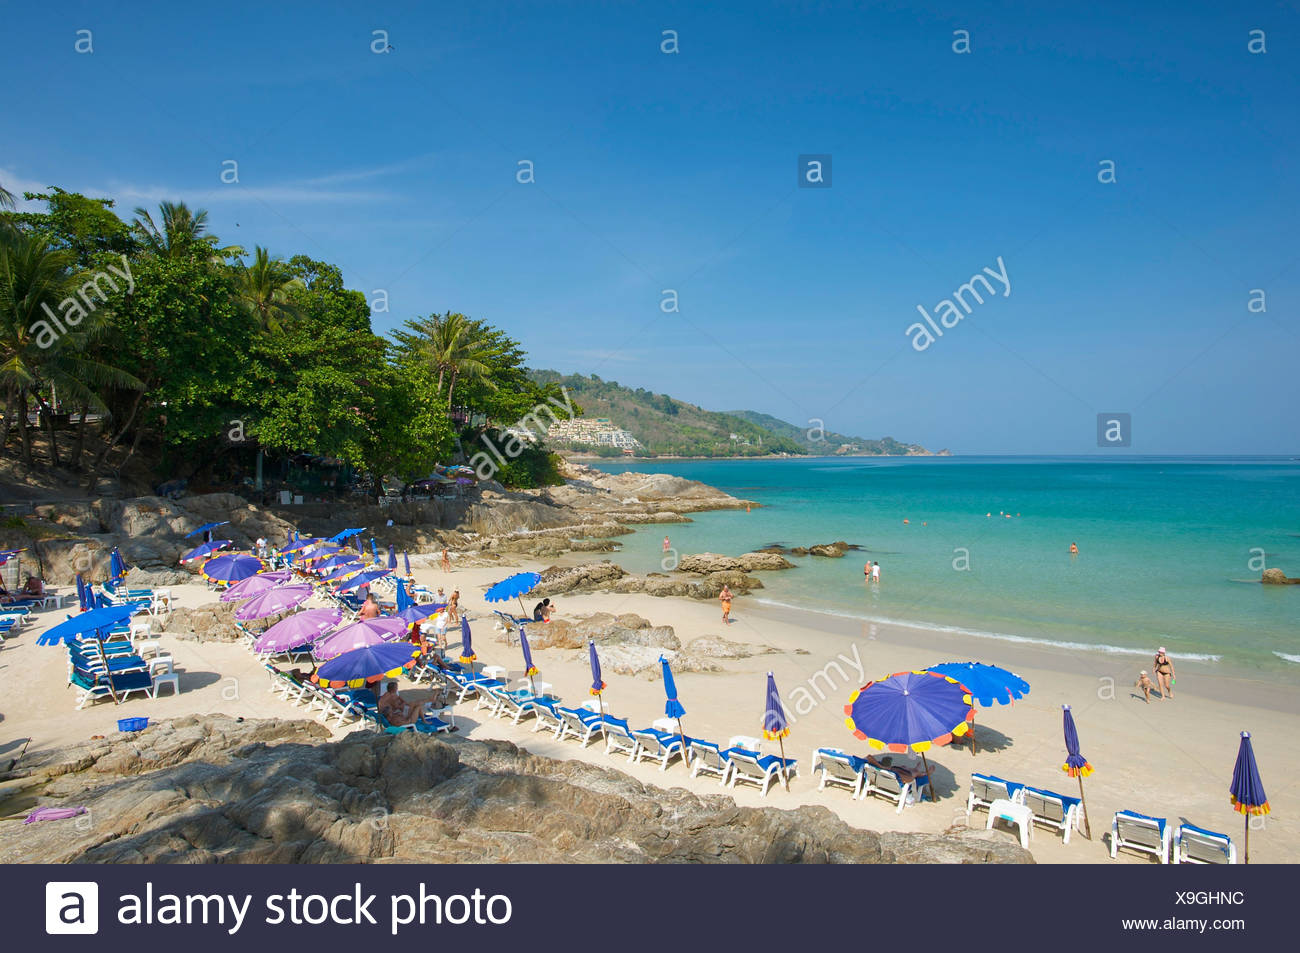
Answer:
(580, 723)
(709, 758)
(1196, 845)
(883, 782)
(515, 705)
(1151, 835)
(547, 717)
(1052, 810)
(758, 769)
(491, 697)
(619, 737)
(88, 688)
(657, 745)
(987, 788)
(840, 769)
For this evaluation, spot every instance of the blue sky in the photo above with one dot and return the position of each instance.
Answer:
(677, 171)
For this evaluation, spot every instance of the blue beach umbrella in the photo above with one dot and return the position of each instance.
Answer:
(343, 571)
(369, 663)
(231, 567)
(403, 598)
(418, 613)
(363, 579)
(299, 544)
(204, 550)
(597, 683)
(374, 549)
(513, 587)
(81, 593)
(392, 557)
(406, 561)
(775, 725)
(910, 711)
(330, 563)
(1076, 765)
(95, 620)
(466, 646)
(672, 707)
(1247, 790)
(987, 684)
(204, 530)
(339, 537)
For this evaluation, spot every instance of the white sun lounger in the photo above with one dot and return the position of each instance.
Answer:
(709, 758)
(883, 782)
(1053, 810)
(1195, 845)
(580, 723)
(618, 737)
(839, 769)
(987, 788)
(1151, 835)
(758, 769)
(657, 745)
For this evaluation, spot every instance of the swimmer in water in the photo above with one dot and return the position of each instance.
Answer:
(1074, 549)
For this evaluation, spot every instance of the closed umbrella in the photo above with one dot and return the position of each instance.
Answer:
(1076, 765)
(529, 668)
(116, 566)
(273, 601)
(775, 725)
(392, 557)
(406, 562)
(672, 707)
(297, 630)
(597, 684)
(374, 549)
(910, 711)
(1247, 790)
(466, 646)
(81, 593)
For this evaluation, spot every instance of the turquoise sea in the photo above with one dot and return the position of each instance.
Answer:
(1170, 549)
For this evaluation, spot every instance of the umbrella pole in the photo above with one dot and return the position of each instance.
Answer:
(1087, 825)
(974, 746)
(108, 678)
(682, 734)
(785, 769)
(1247, 850)
(930, 780)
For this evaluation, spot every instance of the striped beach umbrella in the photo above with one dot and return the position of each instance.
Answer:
(231, 567)
(1247, 790)
(273, 601)
(251, 586)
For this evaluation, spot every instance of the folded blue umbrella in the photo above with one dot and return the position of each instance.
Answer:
(116, 566)
(672, 708)
(392, 556)
(466, 646)
(81, 593)
(1247, 790)
(406, 560)
(529, 668)
(597, 684)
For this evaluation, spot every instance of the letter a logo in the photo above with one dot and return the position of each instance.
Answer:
(71, 907)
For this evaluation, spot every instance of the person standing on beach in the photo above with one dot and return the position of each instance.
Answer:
(866, 571)
(725, 598)
(446, 560)
(667, 545)
(1144, 682)
(875, 573)
(453, 606)
(1164, 667)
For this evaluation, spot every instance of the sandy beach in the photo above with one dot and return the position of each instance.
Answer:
(1172, 759)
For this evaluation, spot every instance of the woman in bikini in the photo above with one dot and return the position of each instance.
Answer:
(1164, 669)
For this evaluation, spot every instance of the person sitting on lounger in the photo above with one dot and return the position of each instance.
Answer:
(370, 608)
(903, 774)
(395, 708)
(34, 587)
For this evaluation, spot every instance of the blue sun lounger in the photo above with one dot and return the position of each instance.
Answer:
(1151, 835)
(1196, 845)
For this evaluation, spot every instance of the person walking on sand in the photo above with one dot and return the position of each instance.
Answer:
(1164, 667)
(875, 573)
(453, 606)
(446, 560)
(725, 598)
(1144, 682)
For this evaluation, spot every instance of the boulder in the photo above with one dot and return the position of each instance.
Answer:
(556, 579)
(831, 550)
(213, 622)
(752, 562)
(139, 578)
(708, 562)
(213, 789)
(1276, 577)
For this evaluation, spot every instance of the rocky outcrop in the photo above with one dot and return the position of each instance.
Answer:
(208, 790)
(214, 622)
(749, 562)
(1276, 577)
(588, 576)
(603, 629)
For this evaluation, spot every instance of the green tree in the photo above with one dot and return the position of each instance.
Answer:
(181, 233)
(265, 290)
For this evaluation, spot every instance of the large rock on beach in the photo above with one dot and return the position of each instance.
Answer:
(556, 579)
(212, 789)
(213, 622)
(1276, 577)
(704, 563)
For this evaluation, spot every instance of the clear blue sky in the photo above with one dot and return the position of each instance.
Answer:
(659, 171)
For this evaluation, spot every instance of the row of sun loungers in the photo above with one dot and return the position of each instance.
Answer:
(865, 780)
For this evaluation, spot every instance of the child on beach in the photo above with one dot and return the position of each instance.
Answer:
(725, 598)
(1144, 682)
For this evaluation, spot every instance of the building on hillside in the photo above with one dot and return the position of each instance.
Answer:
(599, 431)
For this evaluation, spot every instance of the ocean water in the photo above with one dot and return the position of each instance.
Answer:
(1170, 549)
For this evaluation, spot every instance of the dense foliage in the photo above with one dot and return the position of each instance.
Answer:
(211, 356)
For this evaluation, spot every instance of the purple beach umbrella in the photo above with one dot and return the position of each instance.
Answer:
(273, 601)
(364, 579)
(298, 630)
(251, 586)
(597, 683)
(1247, 790)
(205, 550)
(359, 634)
(775, 724)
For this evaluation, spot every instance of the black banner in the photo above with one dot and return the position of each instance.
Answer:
(209, 907)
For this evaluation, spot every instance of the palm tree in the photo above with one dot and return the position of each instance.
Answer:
(450, 344)
(33, 355)
(264, 290)
(7, 199)
(181, 230)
